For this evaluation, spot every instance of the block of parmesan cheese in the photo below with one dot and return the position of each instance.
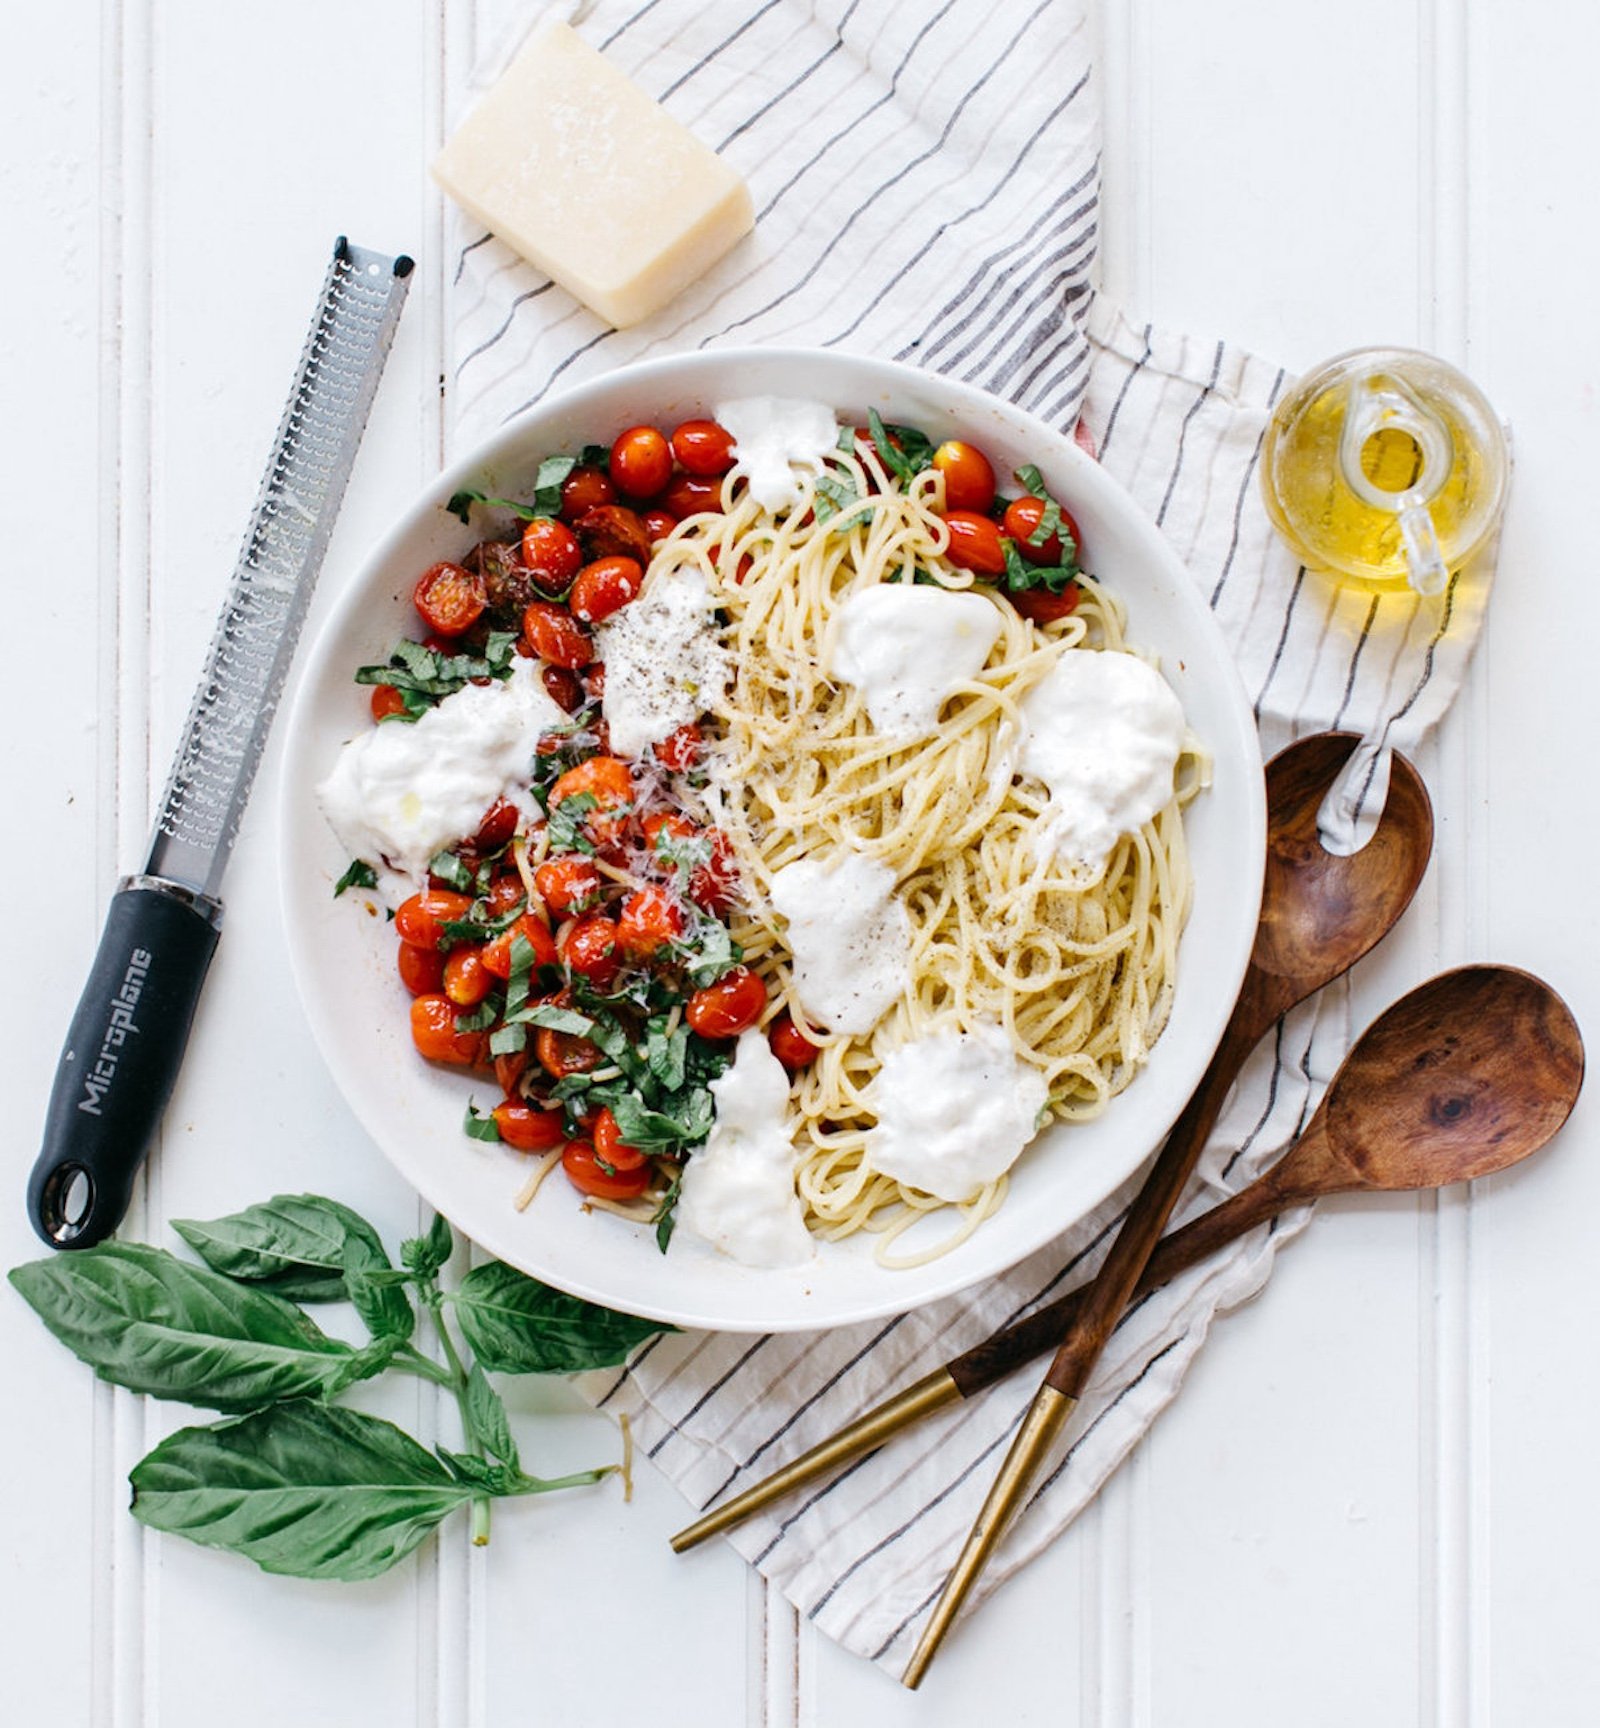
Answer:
(569, 162)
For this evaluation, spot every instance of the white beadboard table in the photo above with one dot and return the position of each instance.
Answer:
(1376, 1499)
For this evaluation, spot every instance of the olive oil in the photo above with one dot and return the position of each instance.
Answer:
(1386, 467)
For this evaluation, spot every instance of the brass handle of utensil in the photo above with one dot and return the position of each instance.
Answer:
(1047, 1416)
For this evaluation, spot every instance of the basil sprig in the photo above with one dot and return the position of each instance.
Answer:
(1022, 573)
(294, 1482)
(546, 499)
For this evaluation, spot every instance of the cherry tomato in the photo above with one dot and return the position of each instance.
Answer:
(449, 598)
(420, 918)
(1043, 607)
(525, 1128)
(556, 636)
(688, 495)
(589, 948)
(604, 587)
(567, 884)
(975, 543)
(594, 682)
(584, 1173)
(564, 1053)
(498, 825)
(680, 750)
(609, 1145)
(703, 447)
(534, 931)
(504, 892)
(641, 462)
(551, 553)
(433, 1031)
(508, 1070)
(790, 1045)
(728, 1007)
(968, 477)
(564, 688)
(1023, 516)
(715, 885)
(421, 969)
(676, 828)
(651, 918)
(614, 531)
(658, 524)
(466, 979)
(386, 701)
(583, 490)
(607, 780)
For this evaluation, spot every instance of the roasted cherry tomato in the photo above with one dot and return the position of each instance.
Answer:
(594, 682)
(975, 543)
(1043, 607)
(703, 447)
(505, 892)
(564, 1053)
(680, 750)
(433, 1031)
(421, 969)
(526, 1128)
(675, 828)
(551, 554)
(449, 598)
(607, 780)
(604, 587)
(968, 477)
(658, 524)
(534, 931)
(420, 918)
(609, 1145)
(715, 885)
(589, 948)
(583, 490)
(556, 636)
(1023, 516)
(509, 1067)
(641, 462)
(386, 702)
(498, 825)
(651, 918)
(579, 1160)
(466, 979)
(790, 1045)
(688, 495)
(728, 1007)
(564, 687)
(567, 884)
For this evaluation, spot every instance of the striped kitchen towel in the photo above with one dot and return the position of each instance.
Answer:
(928, 191)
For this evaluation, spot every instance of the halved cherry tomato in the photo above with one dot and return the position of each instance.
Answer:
(420, 919)
(1043, 607)
(594, 682)
(680, 750)
(609, 1145)
(604, 587)
(386, 702)
(641, 462)
(526, 1128)
(585, 489)
(564, 687)
(1023, 516)
(790, 1045)
(975, 543)
(564, 1053)
(504, 893)
(658, 524)
(433, 1031)
(715, 885)
(688, 495)
(728, 1007)
(968, 476)
(651, 918)
(703, 447)
(498, 825)
(449, 598)
(607, 780)
(509, 1067)
(551, 553)
(583, 1170)
(556, 636)
(567, 884)
(589, 948)
(421, 969)
(466, 979)
(534, 931)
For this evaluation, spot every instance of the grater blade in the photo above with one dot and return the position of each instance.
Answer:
(267, 601)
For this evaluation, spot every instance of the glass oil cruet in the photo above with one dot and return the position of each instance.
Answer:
(1386, 467)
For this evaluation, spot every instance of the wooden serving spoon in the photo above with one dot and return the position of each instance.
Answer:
(1319, 914)
(1466, 1076)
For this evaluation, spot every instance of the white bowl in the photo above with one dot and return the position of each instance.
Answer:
(344, 960)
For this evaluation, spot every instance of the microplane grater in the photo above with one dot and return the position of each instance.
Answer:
(129, 1030)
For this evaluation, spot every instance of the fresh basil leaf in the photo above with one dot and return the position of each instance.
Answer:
(507, 1040)
(378, 1295)
(515, 1325)
(487, 1414)
(666, 1218)
(454, 872)
(595, 456)
(481, 1018)
(480, 1124)
(359, 875)
(295, 1244)
(425, 1255)
(304, 1489)
(468, 1467)
(461, 505)
(665, 1052)
(706, 951)
(144, 1319)
(559, 1019)
(833, 494)
(683, 1120)
(547, 484)
(565, 823)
